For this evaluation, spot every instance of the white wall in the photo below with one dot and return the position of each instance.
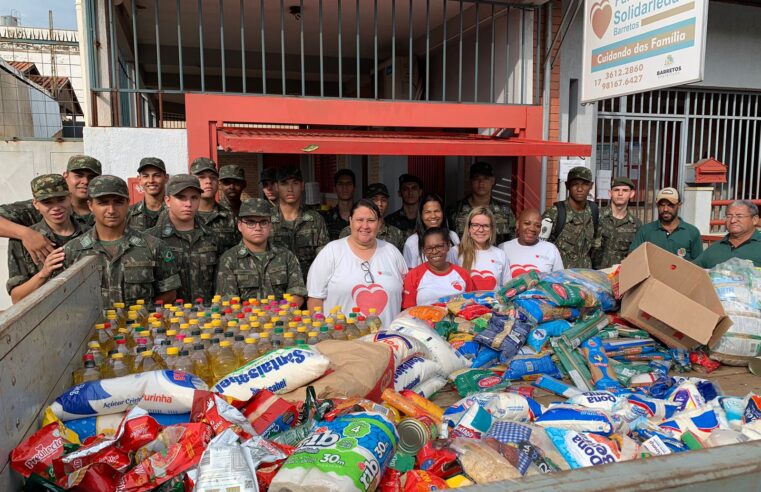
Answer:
(120, 149)
(22, 162)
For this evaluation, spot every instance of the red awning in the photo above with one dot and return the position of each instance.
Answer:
(353, 142)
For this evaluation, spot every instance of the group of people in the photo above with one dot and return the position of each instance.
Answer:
(181, 242)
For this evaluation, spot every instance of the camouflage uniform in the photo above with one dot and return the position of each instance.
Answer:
(399, 220)
(142, 267)
(219, 220)
(504, 220)
(140, 218)
(21, 267)
(248, 275)
(616, 236)
(387, 233)
(305, 236)
(231, 171)
(335, 223)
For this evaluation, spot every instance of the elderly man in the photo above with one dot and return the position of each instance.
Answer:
(742, 240)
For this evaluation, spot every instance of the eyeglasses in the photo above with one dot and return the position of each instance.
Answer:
(435, 248)
(251, 224)
(368, 273)
(480, 227)
(738, 217)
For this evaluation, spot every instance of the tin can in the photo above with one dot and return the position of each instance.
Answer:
(414, 433)
(754, 365)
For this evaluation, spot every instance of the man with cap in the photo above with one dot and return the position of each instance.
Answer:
(378, 193)
(670, 232)
(52, 199)
(575, 221)
(16, 218)
(617, 225)
(255, 268)
(232, 182)
(215, 218)
(151, 174)
(295, 227)
(133, 265)
(482, 181)
(268, 180)
(410, 191)
(194, 246)
(742, 240)
(338, 217)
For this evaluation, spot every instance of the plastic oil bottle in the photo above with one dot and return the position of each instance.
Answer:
(265, 343)
(250, 351)
(352, 333)
(224, 361)
(324, 333)
(373, 321)
(312, 338)
(289, 339)
(277, 338)
(117, 366)
(301, 335)
(200, 364)
(238, 346)
(91, 371)
(339, 333)
(99, 356)
(147, 361)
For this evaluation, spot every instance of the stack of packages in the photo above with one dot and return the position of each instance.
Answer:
(445, 396)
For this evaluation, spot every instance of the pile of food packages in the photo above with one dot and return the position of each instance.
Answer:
(445, 396)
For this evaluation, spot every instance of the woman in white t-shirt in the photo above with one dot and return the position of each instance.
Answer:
(527, 252)
(430, 214)
(437, 277)
(487, 265)
(359, 270)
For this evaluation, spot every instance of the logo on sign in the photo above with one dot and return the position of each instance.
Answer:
(600, 15)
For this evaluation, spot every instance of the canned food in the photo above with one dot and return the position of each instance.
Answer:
(414, 433)
(754, 365)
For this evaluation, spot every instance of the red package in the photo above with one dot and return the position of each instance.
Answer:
(437, 459)
(527, 391)
(100, 450)
(210, 409)
(138, 432)
(703, 362)
(98, 477)
(184, 445)
(269, 414)
(473, 311)
(422, 481)
(36, 454)
(391, 481)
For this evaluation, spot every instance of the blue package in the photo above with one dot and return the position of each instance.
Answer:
(469, 349)
(703, 420)
(733, 407)
(505, 334)
(662, 387)
(652, 408)
(486, 357)
(540, 335)
(674, 445)
(707, 389)
(581, 449)
(522, 366)
(577, 419)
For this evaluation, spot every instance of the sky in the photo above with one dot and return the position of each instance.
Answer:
(34, 13)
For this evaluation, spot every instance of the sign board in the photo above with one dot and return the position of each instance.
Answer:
(602, 183)
(641, 45)
(567, 164)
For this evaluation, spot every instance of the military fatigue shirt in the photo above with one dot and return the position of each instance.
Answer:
(222, 223)
(577, 240)
(21, 267)
(25, 214)
(684, 241)
(334, 222)
(142, 268)
(388, 233)
(504, 220)
(616, 236)
(723, 250)
(225, 204)
(400, 220)
(141, 218)
(304, 236)
(197, 255)
(250, 275)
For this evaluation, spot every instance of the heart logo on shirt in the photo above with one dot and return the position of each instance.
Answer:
(517, 270)
(369, 296)
(457, 286)
(483, 279)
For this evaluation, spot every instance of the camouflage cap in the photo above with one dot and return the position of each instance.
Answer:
(151, 162)
(622, 181)
(201, 164)
(268, 174)
(256, 207)
(49, 186)
(107, 185)
(580, 172)
(77, 162)
(376, 189)
(180, 182)
(285, 173)
(231, 171)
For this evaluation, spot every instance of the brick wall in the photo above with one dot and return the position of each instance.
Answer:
(554, 134)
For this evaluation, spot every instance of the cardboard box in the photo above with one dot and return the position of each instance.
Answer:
(671, 299)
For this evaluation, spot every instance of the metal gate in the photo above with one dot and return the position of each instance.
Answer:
(651, 137)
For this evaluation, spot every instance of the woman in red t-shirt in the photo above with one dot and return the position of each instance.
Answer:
(437, 277)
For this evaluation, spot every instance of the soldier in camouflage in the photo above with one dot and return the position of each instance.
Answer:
(268, 181)
(578, 237)
(296, 228)
(254, 268)
(133, 265)
(232, 181)
(17, 218)
(152, 176)
(52, 200)
(617, 225)
(410, 191)
(194, 246)
(215, 218)
(482, 181)
(337, 218)
(378, 193)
